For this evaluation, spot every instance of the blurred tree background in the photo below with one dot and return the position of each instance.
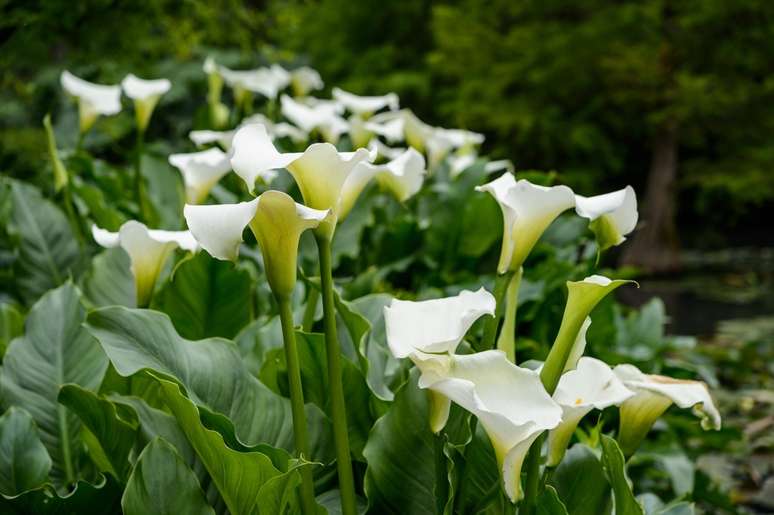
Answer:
(673, 97)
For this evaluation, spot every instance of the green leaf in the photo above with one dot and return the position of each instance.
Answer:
(113, 437)
(161, 483)
(400, 477)
(208, 297)
(95, 499)
(481, 225)
(379, 364)
(109, 280)
(580, 482)
(212, 373)
(24, 462)
(164, 191)
(47, 250)
(248, 481)
(54, 350)
(478, 475)
(11, 325)
(615, 468)
(549, 503)
(93, 200)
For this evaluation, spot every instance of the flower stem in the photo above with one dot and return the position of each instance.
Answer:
(297, 402)
(532, 486)
(491, 324)
(138, 183)
(441, 475)
(507, 340)
(335, 387)
(311, 308)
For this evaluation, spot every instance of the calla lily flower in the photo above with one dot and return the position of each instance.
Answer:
(612, 215)
(528, 210)
(365, 106)
(266, 81)
(206, 137)
(510, 402)
(389, 125)
(402, 176)
(93, 99)
(358, 133)
(322, 116)
(277, 223)
(277, 129)
(459, 162)
(218, 110)
(146, 94)
(591, 385)
(654, 394)
(304, 80)
(323, 174)
(148, 250)
(434, 326)
(201, 171)
(383, 151)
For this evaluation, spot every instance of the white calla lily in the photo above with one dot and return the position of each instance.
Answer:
(148, 250)
(206, 137)
(304, 80)
(654, 394)
(145, 94)
(590, 385)
(402, 176)
(321, 116)
(364, 106)
(276, 221)
(323, 174)
(267, 81)
(389, 125)
(528, 210)
(277, 129)
(383, 151)
(93, 99)
(510, 402)
(201, 171)
(358, 133)
(612, 216)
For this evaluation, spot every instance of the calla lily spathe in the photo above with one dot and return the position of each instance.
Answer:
(323, 174)
(201, 171)
(267, 81)
(654, 394)
(365, 106)
(93, 99)
(590, 385)
(510, 402)
(528, 210)
(148, 250)
(304, 80)
(612, 216)
(201, 138)
(277, 129)
(145, 94)
(321, 116)
(389, 125)
(383, 151)
(276, 221)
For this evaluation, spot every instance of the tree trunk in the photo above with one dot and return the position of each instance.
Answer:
(655, 245)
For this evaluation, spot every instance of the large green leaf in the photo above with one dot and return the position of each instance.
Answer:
(11, 325)
(378, 362)
(212, 373)
(47, 252)
(614, 465)
(24, 462)
(478, 475)
(248, 481)
(163, 192)
(162, 484)
(549, 503)
(101, 498)
(401, 476)
(55, 350)
(208, 297)
(109, 280)
(111, 437)
(580, 482)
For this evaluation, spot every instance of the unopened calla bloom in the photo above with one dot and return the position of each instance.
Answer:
(323, 174)
(402, 176)
(528, 210)
(145, 94)
(148, 250)
(582, 298)
(277, 223)
(218, 110)
(590, 385)
(654, 394)
(434, 326)
(304, 80)
(93, 99)
(612, 215)
(365, 106)
(201, 171)
(510, 402)
(321, 116)
(61, 178)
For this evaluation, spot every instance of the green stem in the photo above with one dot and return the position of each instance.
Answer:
(532, 486)
(311, 308)
(138, 183)
(297, 402)
(491, 324)
(335, 386)
(441, 475)
(507, 340)
(67, 200)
